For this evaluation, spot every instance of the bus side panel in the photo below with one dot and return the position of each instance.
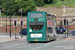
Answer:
(27, 26)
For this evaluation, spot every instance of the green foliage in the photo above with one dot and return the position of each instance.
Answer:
(50, 1)
(14, 7)
(30, 5)
(2, 15)
(59, 3)
(54, 1)
(70, 5)
(1, 1)
(25, 5)
(47, 1)
(39, 2)
(62, 0)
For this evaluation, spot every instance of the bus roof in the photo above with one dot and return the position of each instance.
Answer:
(37, 12)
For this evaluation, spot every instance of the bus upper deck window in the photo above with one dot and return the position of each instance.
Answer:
(36, 15)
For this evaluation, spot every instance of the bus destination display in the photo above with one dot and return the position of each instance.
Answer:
(34, 15)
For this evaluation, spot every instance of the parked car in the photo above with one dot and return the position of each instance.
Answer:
(60, 30)
(72, 33)
(24, 31)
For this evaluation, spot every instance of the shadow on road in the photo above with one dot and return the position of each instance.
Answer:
(41, 41)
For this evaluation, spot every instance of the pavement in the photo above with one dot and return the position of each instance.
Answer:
(69, 37)
(5, 37)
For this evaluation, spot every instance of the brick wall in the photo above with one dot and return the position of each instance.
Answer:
(18, 28)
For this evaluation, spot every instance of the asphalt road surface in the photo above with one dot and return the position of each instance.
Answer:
(52, 45)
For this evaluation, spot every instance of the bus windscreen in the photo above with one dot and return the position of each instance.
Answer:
(36, 25)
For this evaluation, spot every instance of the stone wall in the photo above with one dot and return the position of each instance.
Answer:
(3, 21)
(58, 11)
(18, 28)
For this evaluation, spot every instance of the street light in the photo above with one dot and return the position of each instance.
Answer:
(6, 16)
(21, 22)
(21, 12)
(10, 18)
(1, 17)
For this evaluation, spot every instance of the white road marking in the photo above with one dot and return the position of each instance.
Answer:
(24, 46)
(20, 47)
(37, 48)
(65, 41)
(29, 45)
(4, 36)
(13, 46)
(37, 43)
(47, 44)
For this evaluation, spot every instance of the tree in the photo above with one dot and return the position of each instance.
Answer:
(62, 0)
(14, 7)
(39, 2)
(54, 1)
(47, 1)
(25, 5)
(1, 1)
(50, 1)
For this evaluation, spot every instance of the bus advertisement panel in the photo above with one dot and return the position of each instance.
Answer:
(50, 23)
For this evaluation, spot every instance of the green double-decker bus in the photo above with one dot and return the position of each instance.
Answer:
(37, 27)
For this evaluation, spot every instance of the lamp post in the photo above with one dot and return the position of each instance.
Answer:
(21, 13)
(6, 16)
(0, 12)
(1, 17)
(10, 18)
(21, 19)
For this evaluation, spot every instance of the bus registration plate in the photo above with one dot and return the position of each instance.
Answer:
(36, 40)
(36, 35)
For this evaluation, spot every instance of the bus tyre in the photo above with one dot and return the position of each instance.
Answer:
(54, 39)
(54, 35)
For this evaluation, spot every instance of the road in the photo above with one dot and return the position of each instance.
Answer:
(52, 45)
(59, 36)
(12, 35)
